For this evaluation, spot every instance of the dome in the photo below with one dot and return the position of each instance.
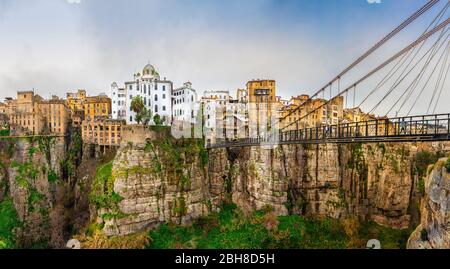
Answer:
(148, 70)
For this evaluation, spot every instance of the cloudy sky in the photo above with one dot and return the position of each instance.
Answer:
(59, 45)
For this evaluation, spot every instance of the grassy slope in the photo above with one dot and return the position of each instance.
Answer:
(229, 229)
(8, 220)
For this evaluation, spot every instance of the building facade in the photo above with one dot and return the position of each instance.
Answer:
(56, 115)
(185, 104)
(30, 114)
(103, 132)
(156, 94)
(97, 106)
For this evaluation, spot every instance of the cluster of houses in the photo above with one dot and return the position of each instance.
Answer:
(101, 118)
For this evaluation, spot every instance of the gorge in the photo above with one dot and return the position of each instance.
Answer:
(61, 188)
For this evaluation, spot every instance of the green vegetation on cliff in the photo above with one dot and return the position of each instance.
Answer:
(447, 165)
(421, 163)
(102, 194)
(8, 221)
(230, 229)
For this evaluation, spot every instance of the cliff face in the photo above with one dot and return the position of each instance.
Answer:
(371, 181)
(159, 180)
(434, 228)
(39, 173)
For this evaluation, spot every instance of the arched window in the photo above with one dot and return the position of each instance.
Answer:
(156, 97)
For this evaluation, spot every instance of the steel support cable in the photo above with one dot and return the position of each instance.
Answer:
(412, 87)
(411, 93)
(442, 87)
(398, 82)
(398, 54)
(413, 17)
(438, 82)
(389, 75)
(418, 96)
(399, 28)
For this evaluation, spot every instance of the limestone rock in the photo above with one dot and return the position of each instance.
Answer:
(434, 229)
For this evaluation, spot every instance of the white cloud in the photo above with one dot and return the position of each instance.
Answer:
(74, 1)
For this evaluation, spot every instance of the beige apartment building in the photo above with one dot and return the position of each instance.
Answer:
(102, 131)
(293, 115)
(56, 114)
(30, 114)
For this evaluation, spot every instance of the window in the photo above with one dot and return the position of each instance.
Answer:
(156, 97)
(164, 108)
(131, 87)
(164, 88)
(131, 118)
(131, 97)
(164, 96)
(192, 98)
(156, 108)
(145, 89)
(145, 100)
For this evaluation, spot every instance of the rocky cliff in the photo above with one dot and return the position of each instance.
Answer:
(374, 181)
(152, 181)
(39, 174)
(434, 228)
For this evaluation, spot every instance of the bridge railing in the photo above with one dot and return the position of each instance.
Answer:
(423, 125)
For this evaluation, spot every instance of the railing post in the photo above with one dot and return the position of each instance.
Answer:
(386, 127)
(435, 124)
(448, 125)
(410, 125)
(376, 127)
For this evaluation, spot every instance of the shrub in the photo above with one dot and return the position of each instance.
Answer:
(424, 235)
(52, 177)
(447, 165)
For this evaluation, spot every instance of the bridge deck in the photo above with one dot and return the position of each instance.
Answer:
(410, 129)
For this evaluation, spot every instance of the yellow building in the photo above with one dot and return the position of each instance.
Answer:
(29, 113)
(56, 114)
(97, 106)
(293, 115)
(102, 131)
(76, 100)
(24, 114)
(263, 106)
(261, 91)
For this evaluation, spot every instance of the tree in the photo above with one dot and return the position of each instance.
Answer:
(138, 107)
(157, 120)
(146, 116)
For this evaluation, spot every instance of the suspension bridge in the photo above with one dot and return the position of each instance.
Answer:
(413, 78)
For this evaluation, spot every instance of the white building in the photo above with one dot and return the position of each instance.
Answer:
(156, 94)
(224, 118)
(185, 104)
(213, 102)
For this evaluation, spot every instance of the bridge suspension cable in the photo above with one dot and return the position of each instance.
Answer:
(405, 57)
(431, 53)
(399, 28)
(426, 83)
(419, 95)
(438, 82)
(394, 57)
(443, 83)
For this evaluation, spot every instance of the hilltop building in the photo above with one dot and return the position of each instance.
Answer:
(185, 104)
(154, 91)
